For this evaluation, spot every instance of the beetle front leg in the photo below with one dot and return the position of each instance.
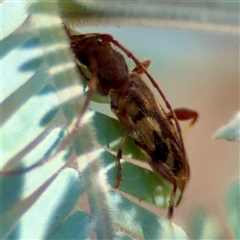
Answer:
(122, 117)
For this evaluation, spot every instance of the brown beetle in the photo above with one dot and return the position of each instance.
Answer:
(136, 107)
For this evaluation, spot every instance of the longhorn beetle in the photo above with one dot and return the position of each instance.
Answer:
(136, 107)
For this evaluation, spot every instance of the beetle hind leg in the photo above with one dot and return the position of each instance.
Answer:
(166, 173)
(184, 114)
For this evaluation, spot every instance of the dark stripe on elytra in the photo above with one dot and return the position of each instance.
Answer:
(143, 111)
(178, 161)
(138, 117)
(161, 149)
(132, 97)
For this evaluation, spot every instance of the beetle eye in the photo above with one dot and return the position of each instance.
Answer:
(84, 59)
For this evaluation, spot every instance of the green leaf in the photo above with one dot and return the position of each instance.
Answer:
(54, 205)
(141, 183)
(203, 226)
(70, 229)
(123, 236)
(143, 223)
(233, 208)
(109, 134)
(230, 131)
(10, 21)
(39, 107)
(217, 17)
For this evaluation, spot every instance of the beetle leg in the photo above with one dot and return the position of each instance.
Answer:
(184, 114)
(124, 120)
(145, 63)
(166, 173)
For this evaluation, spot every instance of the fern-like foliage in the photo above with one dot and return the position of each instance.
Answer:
(42, 95)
